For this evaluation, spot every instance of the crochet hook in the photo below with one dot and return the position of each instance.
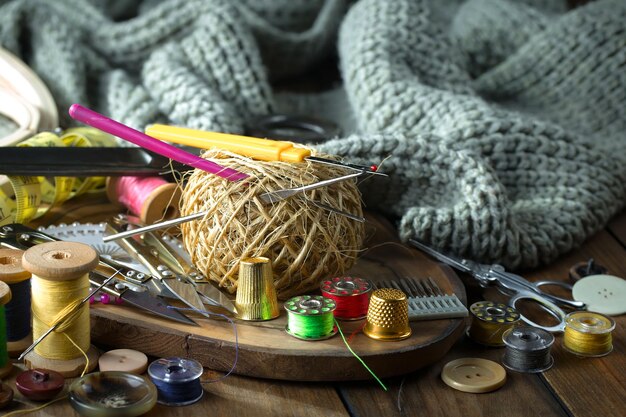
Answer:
(97, 120)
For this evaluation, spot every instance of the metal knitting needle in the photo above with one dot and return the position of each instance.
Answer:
(66, 316)
(155, 226)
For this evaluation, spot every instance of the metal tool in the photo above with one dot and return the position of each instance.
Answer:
(181, 265)
(263, 150)
(66, 316)
(256, 148)
(274, 196)
(85, 162)
(510, 284)
(130, 285)
(172, 285)
(426, 300)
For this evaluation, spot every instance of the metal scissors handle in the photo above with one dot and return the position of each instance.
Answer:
(511, 284)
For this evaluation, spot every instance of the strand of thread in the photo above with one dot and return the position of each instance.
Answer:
(18, 311)
(311, 327)
(52, 300)
(588, 334)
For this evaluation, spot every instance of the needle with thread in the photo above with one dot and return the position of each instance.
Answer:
(66, 316)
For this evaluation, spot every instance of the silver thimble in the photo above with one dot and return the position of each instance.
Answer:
(388, 315)
(256, 298)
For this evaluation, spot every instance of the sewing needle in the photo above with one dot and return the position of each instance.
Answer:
(66, 316)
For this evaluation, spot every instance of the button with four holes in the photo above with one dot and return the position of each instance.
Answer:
(474, 375)
(604, 294)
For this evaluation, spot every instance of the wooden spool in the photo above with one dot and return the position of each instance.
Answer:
(160, 204)
(61, 261)
(5, 297)
(12, 272)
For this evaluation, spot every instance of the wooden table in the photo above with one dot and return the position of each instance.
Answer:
(573, 387)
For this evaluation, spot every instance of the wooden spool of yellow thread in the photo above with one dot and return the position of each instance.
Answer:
(5, 364)
(588, 334)
(12, 273)
(59, 282)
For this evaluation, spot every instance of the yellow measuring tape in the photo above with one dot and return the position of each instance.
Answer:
(24, 198)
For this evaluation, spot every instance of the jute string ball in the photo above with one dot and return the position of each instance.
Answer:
(305, 243)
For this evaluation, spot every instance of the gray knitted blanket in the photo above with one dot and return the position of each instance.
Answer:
(501, 123)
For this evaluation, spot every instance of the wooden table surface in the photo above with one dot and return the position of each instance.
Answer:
(573, 387)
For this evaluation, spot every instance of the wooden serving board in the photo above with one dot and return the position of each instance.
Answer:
(264, 348)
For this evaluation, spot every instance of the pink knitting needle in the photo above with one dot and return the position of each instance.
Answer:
(95, 119)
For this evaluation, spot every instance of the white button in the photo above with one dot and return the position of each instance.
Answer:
(603, 294)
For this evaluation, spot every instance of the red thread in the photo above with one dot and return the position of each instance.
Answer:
(132, 192)
(351, 295)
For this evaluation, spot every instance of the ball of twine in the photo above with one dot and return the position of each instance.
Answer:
(305, 243)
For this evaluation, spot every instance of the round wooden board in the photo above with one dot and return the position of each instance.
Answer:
(264, 348)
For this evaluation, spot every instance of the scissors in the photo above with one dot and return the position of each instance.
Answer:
(130, 285)
(511, 284)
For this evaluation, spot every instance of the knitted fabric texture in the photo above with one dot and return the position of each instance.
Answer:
(501, 123)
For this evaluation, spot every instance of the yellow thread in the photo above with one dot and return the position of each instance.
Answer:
(588, 334)
(55, 302)
(489, 322)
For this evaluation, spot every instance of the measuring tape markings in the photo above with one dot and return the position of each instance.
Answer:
(24, 198)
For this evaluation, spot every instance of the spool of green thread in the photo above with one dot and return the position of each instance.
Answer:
(5, 364)
(310, 317)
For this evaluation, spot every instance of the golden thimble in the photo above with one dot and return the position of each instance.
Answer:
(388, 315)
(256, 295)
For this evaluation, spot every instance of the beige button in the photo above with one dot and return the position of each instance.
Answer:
(126, 360)
(473, 375)
(604, 294)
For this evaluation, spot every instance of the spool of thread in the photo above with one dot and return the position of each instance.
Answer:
(489, 322)
(588, 334)
(177, 380)
(527, 349)
(59, 283)
(310, 317)
(152, 199)
(351, 295)
(5, 364)
(19, 336)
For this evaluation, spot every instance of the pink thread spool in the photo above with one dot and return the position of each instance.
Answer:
(151, 198)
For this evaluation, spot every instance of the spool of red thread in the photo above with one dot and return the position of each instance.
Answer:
(152, 199)
(352, 296)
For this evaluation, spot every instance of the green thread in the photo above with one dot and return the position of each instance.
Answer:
(359, 359)
(311, 327)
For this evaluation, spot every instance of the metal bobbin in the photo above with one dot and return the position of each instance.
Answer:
(588, 334)
(309, 306)
(527, 349)
(489, 322)
(350, 294)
